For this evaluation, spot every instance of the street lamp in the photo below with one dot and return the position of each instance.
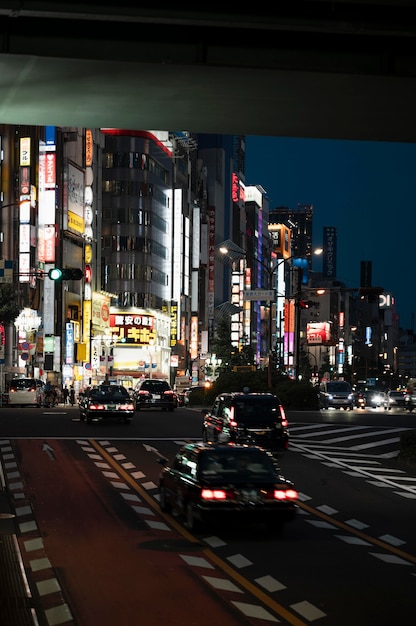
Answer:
(213, 363)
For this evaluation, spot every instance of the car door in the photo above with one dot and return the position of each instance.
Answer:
(209, 421)
(179, 481)
(218, 418)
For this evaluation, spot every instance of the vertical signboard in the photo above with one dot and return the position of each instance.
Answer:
(69, 344)
(211, 269)
(173, 323)
(329, 261)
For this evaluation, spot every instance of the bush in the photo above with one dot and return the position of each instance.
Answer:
(407, 454)
(293, 394)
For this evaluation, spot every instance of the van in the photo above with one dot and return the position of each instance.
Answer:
(25, 391)
(247, 418)
(336, 394)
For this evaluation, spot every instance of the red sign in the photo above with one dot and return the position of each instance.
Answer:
(318, 333)
(88, 274)
(105, 312)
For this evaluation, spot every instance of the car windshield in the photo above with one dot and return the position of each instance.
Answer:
(157, 386)
(228, 464)
(338, 387)
(22, 383)
(252, 411)
(111, 392)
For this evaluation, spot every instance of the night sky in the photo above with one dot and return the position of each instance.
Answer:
(367, 190)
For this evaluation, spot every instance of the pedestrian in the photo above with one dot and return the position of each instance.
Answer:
(47, 391)
(72, 395)
(65, 394)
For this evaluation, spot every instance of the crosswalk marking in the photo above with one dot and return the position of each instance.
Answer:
(366, 459)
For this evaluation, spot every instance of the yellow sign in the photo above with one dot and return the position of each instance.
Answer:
(88, 253)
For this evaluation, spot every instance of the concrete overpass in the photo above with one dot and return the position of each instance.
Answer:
(317, 69)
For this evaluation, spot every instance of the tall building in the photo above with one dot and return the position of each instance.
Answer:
(146, 247)
(300, 221)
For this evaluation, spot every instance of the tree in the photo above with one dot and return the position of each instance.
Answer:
(221, 345)
(9, 310)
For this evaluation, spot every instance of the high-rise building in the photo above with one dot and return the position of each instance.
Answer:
(300, 221)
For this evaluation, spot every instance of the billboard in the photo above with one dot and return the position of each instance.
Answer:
(318, 333)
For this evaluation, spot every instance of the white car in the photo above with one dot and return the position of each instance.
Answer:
(26, 391)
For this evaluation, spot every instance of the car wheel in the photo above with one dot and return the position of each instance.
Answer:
(163, 503)
(190, 521)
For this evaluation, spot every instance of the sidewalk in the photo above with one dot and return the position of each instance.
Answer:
(15, 597)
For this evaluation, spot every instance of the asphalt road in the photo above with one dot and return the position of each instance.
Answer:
(88, 504)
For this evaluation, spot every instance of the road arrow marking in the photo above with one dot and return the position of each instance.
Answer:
(50, 452)
(154, 450)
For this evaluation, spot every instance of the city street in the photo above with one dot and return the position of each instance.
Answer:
(97, 548)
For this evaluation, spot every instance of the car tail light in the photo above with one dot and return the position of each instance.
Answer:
(283, 415)
(169, 392)
(216, 494)
(126, 407)
(143, 392)
(96, 407)
(285, 494)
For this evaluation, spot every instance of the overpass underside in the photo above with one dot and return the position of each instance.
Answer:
(344, 70)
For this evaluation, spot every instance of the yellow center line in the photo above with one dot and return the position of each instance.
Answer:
(208, 553)
(358, 533)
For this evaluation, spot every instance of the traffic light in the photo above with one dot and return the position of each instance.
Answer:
(372, 293)
(67, 273)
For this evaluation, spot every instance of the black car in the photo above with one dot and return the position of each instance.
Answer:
(252, 418)
(216, 483)
(155, 393)
(106, 402)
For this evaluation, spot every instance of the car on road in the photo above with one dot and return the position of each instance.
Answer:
(335, 394)
(26, 391)
(374, 398)
(195, 395)
(394, 400)
(106, 402)
(155, 393)
(251, 418)
(220, 483)
(410, 395)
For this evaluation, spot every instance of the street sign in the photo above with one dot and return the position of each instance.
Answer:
(258, 294)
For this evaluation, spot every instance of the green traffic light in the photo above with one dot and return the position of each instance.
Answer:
(67, 273)
(55, 273)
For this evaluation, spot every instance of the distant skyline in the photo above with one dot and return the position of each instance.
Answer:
(366, 190)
